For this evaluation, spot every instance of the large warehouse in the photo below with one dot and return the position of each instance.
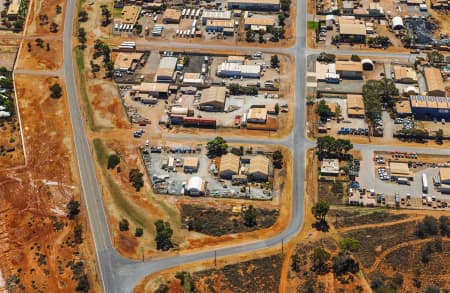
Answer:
(430, 107)
(255, 5)
(435, 83)
(213, 99)
(233, 69)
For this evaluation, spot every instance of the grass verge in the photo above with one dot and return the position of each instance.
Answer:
(312, 25)
(90, 113)
(119, 199)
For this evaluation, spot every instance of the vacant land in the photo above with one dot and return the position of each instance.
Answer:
(355, 217)
(37, 239)
(217, 222)
(41, 55)
(257, 275)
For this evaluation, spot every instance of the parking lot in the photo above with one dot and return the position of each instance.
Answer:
(371, 178)
(168, 180)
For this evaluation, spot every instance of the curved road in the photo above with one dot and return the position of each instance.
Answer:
(118, 274)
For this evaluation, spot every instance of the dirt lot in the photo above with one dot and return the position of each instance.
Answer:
(48, 57)
(217, 222)
(257, 275)
(8, 54)
(37, 238)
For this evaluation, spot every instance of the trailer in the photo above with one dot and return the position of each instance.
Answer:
(183, 12)
(403, 181)
(397, 199)
(424, 183)
(197, 13)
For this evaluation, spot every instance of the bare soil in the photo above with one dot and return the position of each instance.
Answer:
(46, 58)
(37, 238)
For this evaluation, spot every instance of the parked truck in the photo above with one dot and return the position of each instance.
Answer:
(424, 183)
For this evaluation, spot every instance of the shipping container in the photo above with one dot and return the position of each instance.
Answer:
(424, 183)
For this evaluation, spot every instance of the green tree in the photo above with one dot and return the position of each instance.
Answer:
(295, 263)
(217, 147)
(427, 227)
(55, 91)
(53, 27)
(320, 258)
(277, 109)
(344, 263)
(139, 232)
(250, 36)
(355, 58)
(74, 208)
(320, 210)
(250, 216)
(349, 244)
(435, 57)
(274, 61)
(6, 83)
(136, 179)
(163, 288)
(113, 161)
(18, 24)
(124, 225)
(444, 226)
(138, 29)
(432, 289)
(106, 15)
(82, 16)
(277, 159)
(78, 233)
(82, 36)
(163, 235)
(83, 284)
(323, 109)
(58, 9)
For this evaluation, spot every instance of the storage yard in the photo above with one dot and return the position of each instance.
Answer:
(204, 91)
(235, 21)
(186, 170)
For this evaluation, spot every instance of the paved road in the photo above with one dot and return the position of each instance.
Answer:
(121, 275)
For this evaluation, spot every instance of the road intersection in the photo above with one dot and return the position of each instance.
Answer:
(119, 274)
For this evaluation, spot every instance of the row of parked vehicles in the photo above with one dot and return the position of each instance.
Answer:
(353, 131)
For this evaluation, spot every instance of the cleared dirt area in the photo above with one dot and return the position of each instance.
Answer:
(7, 55)
(44, 57)
(37, 238)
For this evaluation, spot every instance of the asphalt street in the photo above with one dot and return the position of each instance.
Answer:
(118, 274)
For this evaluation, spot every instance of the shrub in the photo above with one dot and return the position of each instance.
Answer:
(139, 232)
(113, 161)
(124, 225)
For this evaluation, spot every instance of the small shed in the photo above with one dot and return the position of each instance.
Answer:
(195, 186)
(397, 23)
(258, 169)
(190, 164)
(367, 64)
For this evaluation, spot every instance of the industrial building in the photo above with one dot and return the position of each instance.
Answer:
(159, 90)
(349, 69)
(257, 23)
(190, 164)
(220, 25)
(430, 107)
(237, 70)
(126, 61)
(130, 14)
(355, 106)
(195, 186)
(255, 5)
(400, 170)
(435, 83)
(213, 99)
(258, 169)
(215, 15)
(397, 23)
(13, 9)
(404, 74)
(352, 32)
(257, 115)
(330, 167)
(166, 69)
(171, 16)
(229, 166)
(444, 175)
(193, 78)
